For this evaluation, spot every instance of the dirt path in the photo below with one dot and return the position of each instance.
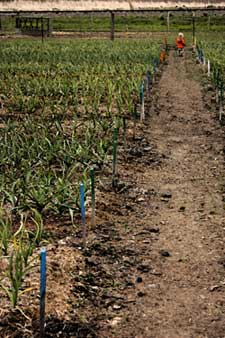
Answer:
(182, 292)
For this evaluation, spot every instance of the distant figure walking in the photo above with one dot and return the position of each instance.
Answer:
(180, 44)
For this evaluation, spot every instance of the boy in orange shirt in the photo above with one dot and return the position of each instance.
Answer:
(180, 44)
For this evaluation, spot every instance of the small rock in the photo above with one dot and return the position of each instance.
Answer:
(200, 210)
(164, 253)
(90, 262)
(139, 280)
(164, 199)
(182, 208)
(151, 192)
(115, 321)
(129, 283)
(140, 199)
(62, 242)
(214, 287)
(152, 285)
(154, 230)
(209, 87)
(156, 273)
(116, 307)
(144, 268)
(147, 148)
(141, 294)
(166, 194)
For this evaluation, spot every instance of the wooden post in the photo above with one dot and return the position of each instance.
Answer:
(112, 33)
(209, 22)
(42, 30)
(37, 24)
(47, 33)
(49, 27)
(193, 27)
(31, 24)
(168, 21)
(0, 23)
(17, 23)
(24, 24)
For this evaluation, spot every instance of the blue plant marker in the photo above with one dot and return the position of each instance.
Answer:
(42, 290)
(124, 134)
(142, 91)
(82, 205)
(200, 55)
(142, 116)
(92, 175)
(135, 120)
(154, 67)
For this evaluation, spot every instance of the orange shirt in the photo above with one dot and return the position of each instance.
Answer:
(180, 43)
(162, 56)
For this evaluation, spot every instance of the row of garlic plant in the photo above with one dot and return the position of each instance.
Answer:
(17, 247)
(44, 154)
(42, 163)
(91, 81)
(78, 77)
(212, 54)
(41, 167)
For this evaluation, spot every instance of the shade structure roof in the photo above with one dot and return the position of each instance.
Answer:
(105, 5)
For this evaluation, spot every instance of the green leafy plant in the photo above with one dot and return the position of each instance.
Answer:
(5, 232)
(19, 262)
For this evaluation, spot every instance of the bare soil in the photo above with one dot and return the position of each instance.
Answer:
(183, 291)
(155, 261)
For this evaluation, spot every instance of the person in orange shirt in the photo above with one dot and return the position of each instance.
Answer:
(180, 44)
